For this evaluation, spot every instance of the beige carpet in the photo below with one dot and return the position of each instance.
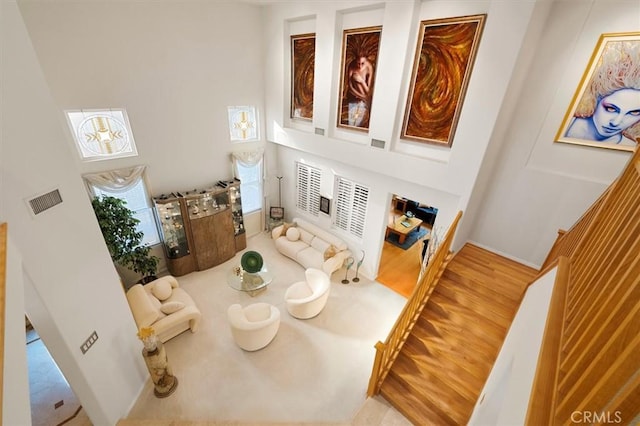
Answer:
(52, 400)
(314, 371)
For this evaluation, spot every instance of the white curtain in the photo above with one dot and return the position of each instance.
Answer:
(119, 180)
(247, 158)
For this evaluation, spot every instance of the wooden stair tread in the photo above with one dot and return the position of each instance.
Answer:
(425, 415)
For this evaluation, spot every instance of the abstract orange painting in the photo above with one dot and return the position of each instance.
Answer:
(303, 58)
(444, 58)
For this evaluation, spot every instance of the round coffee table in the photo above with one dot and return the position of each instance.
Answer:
(251, 283)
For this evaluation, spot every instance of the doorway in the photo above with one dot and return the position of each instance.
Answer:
(52, 399)
(409, 226)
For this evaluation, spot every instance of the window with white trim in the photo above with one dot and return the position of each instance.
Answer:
(128, 185)
(351, 206)
(308, 188)
(101, 134)
(250, 176)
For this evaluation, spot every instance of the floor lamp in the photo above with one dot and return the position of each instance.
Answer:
(279, 190)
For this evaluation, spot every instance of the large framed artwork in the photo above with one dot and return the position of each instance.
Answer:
(442, 66)
(605, 109)
(357, 77)
(303, 59)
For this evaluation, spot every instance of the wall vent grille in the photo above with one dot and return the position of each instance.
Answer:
(377, 143)
(45, 201)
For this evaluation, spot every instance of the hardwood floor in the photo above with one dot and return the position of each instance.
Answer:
(447, 358)
(399, 268)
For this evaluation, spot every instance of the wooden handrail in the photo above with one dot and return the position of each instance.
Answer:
(3, 282)
(567, 241)
(387, 352)
(541, 404)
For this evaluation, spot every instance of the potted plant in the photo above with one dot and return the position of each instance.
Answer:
(124, 241)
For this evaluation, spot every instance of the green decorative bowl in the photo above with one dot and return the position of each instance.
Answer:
(251, 262)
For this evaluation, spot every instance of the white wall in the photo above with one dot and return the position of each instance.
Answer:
(539, 186)
(505, 397)
(174, 66)
(16, 409)
(438, 176)
(64, 262)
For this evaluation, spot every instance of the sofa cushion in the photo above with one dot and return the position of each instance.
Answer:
(293, 234)
(319, 232)
(290, 248)
(257, 312)
(306, 236)
(161, 289)
(171, 307)
(320, 244)
(310, 258)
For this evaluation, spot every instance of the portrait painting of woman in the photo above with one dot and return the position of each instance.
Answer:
(359, 58)
(606, 111)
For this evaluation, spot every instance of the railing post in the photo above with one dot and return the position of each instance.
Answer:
(373, 388)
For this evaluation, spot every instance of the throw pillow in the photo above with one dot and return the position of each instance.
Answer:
(286, 226)
(293, 234)
(162, 289)
(171, 307)
(330, 252)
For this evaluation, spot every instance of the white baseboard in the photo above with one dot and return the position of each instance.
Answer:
(507, 255)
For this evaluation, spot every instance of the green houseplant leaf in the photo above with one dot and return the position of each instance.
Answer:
(123, 240)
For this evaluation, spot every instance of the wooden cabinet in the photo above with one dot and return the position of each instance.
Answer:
(201, 229)
(213, 239)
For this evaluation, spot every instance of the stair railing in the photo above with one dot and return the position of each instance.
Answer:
(3, 274)
(588, 367)
(387, 352)
(567, 241)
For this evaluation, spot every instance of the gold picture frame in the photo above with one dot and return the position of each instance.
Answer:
(360, 48)
(303, 58)
(444, 58)
(605, 109)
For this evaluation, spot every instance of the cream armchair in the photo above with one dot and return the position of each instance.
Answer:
(254, 326)
(165, 306)
(306, 299)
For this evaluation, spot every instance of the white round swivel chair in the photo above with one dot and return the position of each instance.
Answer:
(254, 326)
(306, 299)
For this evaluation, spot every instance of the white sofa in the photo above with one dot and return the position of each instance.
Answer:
(164, 306)
(310, 246)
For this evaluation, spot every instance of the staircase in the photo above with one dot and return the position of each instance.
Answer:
(445, 361)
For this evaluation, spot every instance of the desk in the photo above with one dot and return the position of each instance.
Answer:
(251, 283)
(398, 227)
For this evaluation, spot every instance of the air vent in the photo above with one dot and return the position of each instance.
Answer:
(319, 131)
(377, 143)
(45, 201)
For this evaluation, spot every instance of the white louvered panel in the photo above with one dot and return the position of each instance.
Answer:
(308, 188)
(359, 212)
(314, 191)
(302, 180)
(351, 206)
(343, 204)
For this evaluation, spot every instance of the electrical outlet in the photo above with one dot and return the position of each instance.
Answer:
(89, 342)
